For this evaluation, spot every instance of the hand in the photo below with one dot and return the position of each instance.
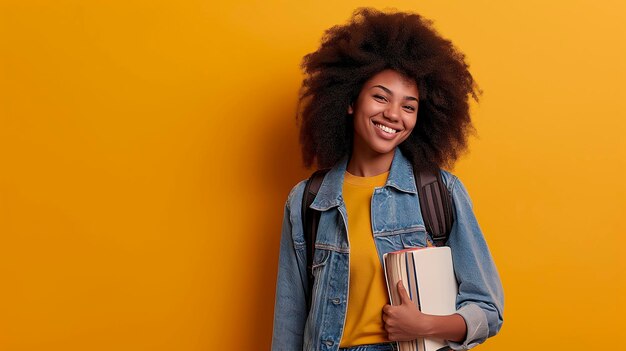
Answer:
(404, 322)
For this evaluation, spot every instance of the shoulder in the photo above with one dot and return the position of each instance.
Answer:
(457, 190)
(296, 194)
(293, 211)
(449, 179)
(294, 200)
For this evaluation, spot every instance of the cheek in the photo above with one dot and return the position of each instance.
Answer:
(410, 128)
(411, 123)
(359, 125)
(369, 109)
(361, 119)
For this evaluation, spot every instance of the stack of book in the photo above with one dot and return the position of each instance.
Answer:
(428, 276)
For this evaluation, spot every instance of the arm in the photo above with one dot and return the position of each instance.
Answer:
(480, 301)
(290, 311)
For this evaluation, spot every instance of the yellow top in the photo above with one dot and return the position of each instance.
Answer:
(367, 293)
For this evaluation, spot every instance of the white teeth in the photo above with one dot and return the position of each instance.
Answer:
(385, 128)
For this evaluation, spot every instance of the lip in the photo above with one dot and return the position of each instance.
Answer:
(383, 134)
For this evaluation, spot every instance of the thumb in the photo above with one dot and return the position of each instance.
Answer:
(404, 295)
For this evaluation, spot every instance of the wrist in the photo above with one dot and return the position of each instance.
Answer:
(451, 327)
(430, 326)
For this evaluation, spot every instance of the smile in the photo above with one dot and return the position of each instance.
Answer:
(385, 128)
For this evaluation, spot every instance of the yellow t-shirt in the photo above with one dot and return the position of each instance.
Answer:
(367, 293)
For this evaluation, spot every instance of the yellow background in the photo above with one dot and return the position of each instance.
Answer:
(146, 147)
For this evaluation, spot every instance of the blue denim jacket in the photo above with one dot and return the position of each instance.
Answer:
(396, 224)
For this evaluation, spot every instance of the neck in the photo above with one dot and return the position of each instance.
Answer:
(369, 164)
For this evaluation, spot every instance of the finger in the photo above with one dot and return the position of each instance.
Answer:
(404, 295)
(387, 309)
(388, 325)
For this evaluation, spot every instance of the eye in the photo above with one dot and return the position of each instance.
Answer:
(409, 108)
(380, 98)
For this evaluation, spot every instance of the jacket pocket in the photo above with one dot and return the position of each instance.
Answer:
(320, 258)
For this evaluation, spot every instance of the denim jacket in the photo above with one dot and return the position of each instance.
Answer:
(397, 223)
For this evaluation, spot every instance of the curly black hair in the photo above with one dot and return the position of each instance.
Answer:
(371, 42)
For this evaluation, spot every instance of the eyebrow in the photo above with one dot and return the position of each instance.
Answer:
(391, 93)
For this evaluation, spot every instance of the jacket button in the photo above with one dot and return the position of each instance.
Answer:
(329, 343)
(336, 301)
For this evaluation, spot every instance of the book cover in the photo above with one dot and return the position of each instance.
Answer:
(428, 275)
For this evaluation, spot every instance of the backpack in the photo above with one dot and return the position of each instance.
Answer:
(435, 204)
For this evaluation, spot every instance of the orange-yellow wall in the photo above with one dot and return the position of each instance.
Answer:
(147, 148)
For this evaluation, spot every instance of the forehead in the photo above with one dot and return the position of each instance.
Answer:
(392, 80)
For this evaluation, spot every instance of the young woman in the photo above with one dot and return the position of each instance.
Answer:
(383, 93)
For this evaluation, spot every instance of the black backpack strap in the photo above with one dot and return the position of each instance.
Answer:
(435, 203)
(310, 220)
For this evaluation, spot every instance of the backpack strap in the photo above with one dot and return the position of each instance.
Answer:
(310, 220)
(435, 204)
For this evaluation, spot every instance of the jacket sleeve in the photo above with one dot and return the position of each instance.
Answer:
(290, 310)
(480, 301)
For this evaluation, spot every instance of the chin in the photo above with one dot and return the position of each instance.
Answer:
(380, 149)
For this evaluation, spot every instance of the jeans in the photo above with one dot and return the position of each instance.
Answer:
(373, 347)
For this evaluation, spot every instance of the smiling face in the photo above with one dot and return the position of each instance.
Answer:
(385, 113)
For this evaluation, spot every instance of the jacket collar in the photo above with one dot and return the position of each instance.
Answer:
(329, 195)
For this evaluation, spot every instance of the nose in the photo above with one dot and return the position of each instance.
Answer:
(392, 112)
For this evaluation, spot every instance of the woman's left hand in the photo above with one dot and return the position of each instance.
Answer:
(404, 322)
